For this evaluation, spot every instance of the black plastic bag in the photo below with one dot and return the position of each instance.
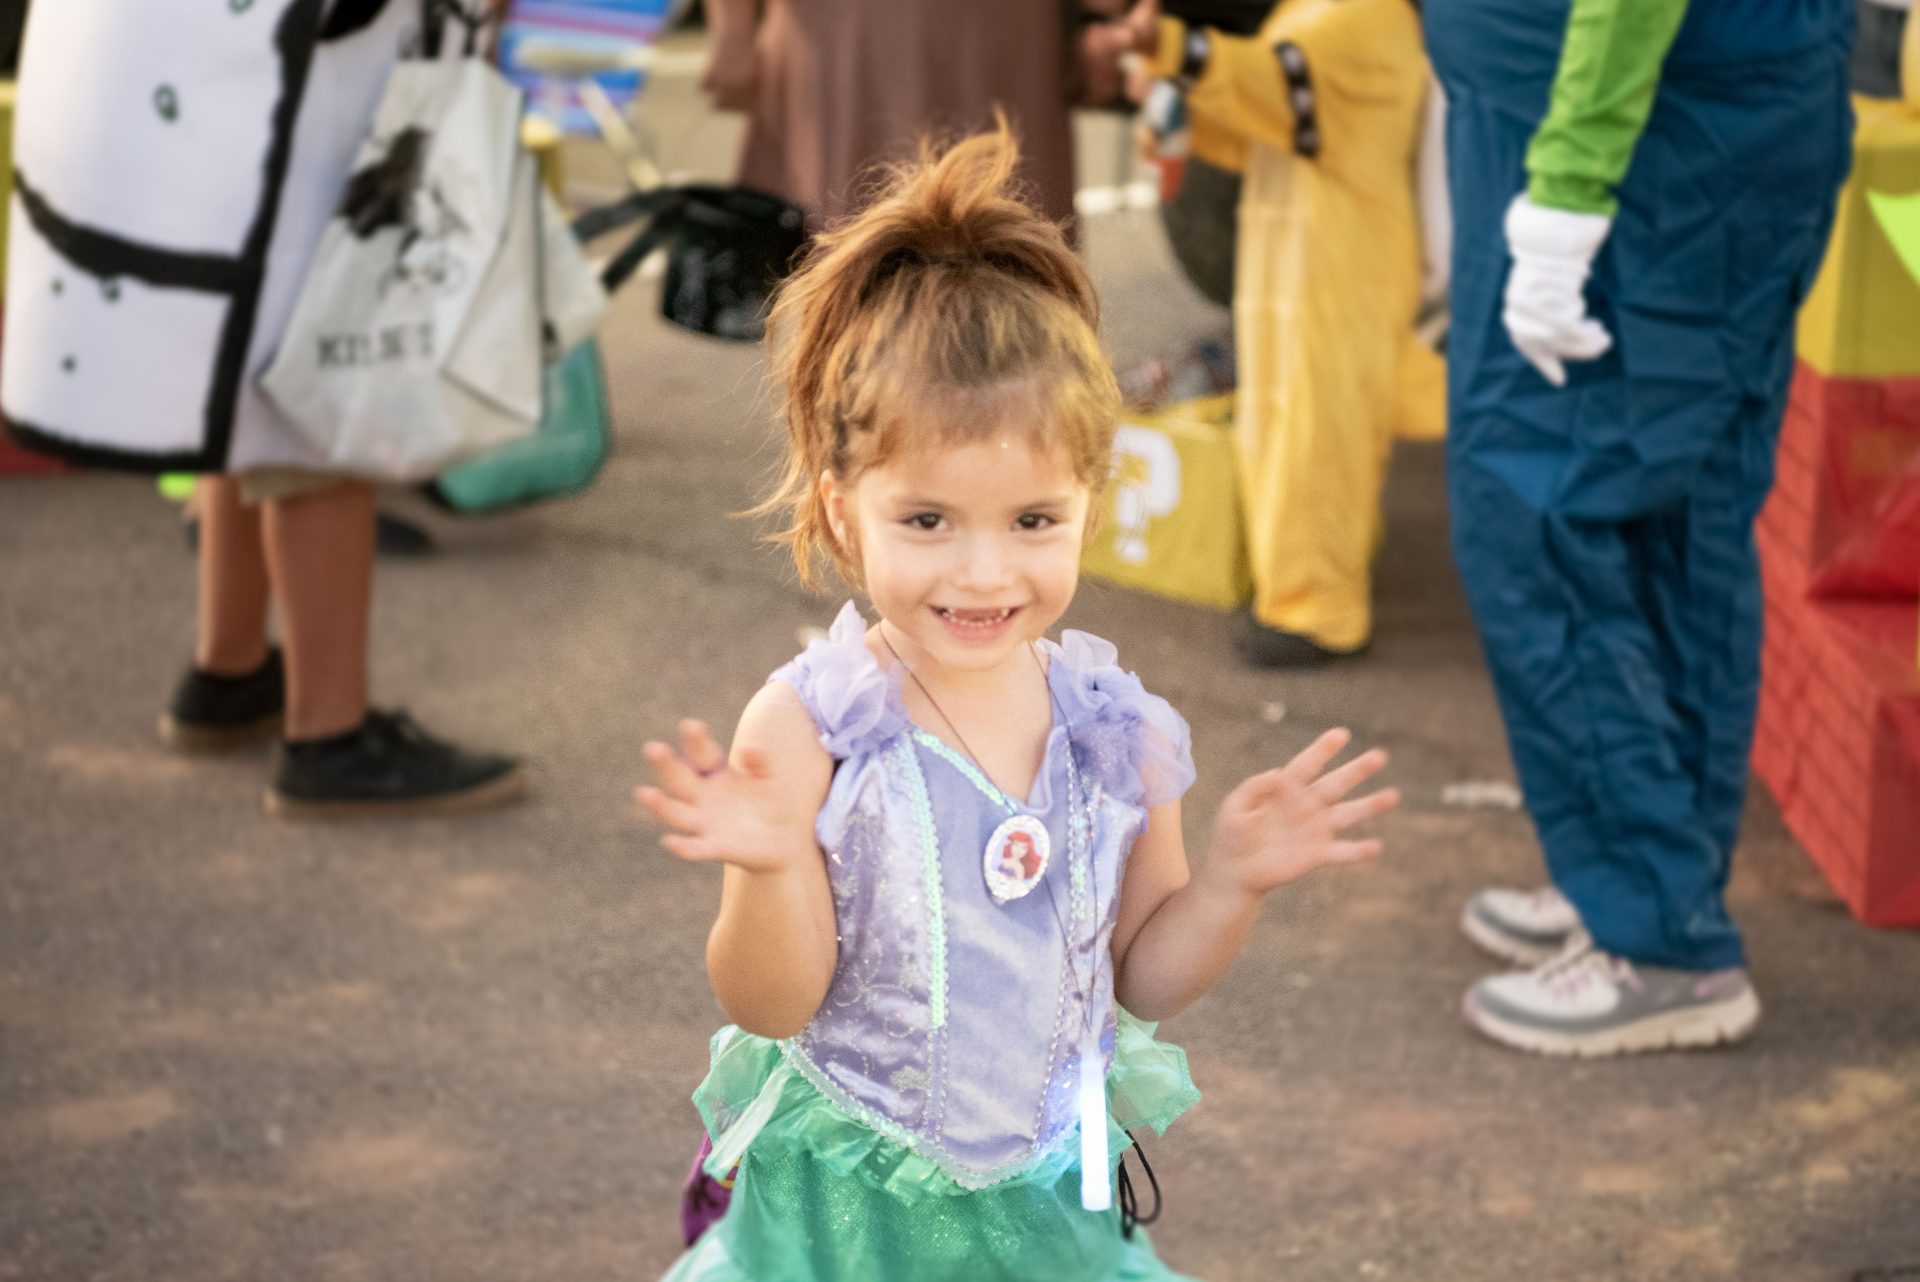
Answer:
(727, 250)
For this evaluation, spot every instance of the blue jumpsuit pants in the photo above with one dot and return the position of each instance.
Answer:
(1604, 530)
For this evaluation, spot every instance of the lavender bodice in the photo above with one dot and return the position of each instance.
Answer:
(953, 1023)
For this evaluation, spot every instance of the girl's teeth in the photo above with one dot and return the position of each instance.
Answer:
(976, 619)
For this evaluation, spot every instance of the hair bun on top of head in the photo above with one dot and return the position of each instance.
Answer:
(965, 206)
(927, 315)
(957, 205)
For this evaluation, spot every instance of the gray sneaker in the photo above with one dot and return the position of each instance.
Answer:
(1590, 1003)
(1525, 927)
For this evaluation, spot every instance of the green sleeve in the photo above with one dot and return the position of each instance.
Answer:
(1609, 70)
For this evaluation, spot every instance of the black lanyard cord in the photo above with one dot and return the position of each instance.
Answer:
(1130, 1204)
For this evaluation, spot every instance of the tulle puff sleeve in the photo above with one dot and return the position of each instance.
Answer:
(1133, 742)
(854, 703)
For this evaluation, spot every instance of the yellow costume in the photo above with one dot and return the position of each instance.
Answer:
(1321, 111)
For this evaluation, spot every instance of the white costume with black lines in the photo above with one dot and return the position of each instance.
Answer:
(174, 170)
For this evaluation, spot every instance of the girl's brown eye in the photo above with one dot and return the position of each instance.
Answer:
(924, 520)
(1036, 521)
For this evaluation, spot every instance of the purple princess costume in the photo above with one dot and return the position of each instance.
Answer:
(924, 1125)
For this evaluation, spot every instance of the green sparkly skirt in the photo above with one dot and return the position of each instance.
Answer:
(820, 1196)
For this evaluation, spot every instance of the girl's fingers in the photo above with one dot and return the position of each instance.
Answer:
(1315, 756)
(1347, 852)
(702, 752)
(1336, 784)
(1360, 809)
(675, 775)
(669, 811)
(1254, 790)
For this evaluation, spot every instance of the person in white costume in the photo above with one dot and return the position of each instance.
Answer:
(174, 169)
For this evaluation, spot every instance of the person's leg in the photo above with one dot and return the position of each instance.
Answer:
(341, 757)
(1314, 419)
(1709, 608)
(1588, 625)
(1311, 479)
(319, 550)
(1572, 609)
(232, 638)
(233, 693)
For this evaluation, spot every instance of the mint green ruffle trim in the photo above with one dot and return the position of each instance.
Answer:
(754, 1095)
(711, 1260)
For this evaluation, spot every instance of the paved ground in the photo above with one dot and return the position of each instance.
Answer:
(233, 1049)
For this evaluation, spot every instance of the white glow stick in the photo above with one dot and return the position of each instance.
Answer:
(1096, 1181)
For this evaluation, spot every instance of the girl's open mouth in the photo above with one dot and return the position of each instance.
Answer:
(977, 625)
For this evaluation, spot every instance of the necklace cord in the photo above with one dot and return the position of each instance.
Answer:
(935, 703)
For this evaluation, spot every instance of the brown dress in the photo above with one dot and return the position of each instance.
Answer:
(848, 83)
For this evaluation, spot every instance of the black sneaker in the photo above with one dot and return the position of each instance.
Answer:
(389, 766)
(213, 713)
(1266, 647)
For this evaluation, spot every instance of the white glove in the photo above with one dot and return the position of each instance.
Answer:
(1546, 311)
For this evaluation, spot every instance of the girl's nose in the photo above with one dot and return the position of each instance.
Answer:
(984, 565)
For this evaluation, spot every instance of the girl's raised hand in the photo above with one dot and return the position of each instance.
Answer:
(1288, 821)
(730, 812)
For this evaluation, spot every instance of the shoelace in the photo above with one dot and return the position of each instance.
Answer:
(396, 728)
(1580, 967)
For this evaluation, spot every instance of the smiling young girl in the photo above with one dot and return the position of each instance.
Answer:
(954, 879)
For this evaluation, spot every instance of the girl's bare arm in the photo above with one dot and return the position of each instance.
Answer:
(771, 953)
(1177, 931)
(1174, 938)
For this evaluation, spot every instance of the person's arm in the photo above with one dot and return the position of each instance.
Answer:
(732, 76)
(1176, 933)
(771, 954)
(1602, 95)
(1218, 146)
(1173, 939)
(1233, 84)
(1273, 88)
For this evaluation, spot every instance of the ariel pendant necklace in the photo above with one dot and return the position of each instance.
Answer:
(1020, 849)
(1014, 863)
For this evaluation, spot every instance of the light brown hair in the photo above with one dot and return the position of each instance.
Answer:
(946, 313)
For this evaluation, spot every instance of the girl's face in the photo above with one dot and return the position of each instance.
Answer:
(968, 551)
